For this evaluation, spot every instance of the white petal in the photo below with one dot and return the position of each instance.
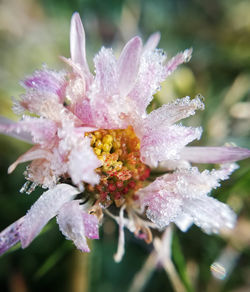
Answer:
(210, 214)
(71, 224)
(45, 208)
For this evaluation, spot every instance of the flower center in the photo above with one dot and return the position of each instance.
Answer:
(122, 172)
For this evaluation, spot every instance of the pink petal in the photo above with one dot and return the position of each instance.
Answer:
(77, 43)
(71, 224)
(214, 154)
(84, 112)
(171, 113)
(151, 74)
(180, 58)
(34, 153)
(42, 130)
(90, 223)
(210, 214)
(106, 81)
(152, 42)
(47, 81)
(162, 207)
(6, 124)
(128, 65)
(181, 196)
(45, 208)
(166, 142)
(10, 236)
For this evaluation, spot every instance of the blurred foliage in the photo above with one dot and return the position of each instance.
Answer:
(33, 32)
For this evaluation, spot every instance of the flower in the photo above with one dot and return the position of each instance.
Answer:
(95, 146)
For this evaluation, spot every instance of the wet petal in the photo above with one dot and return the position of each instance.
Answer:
(90, 223)
(47, 81)
(10, 236)
(162, 207)
(45, 208)
(71, 224)
(182, 195)
(210, 214)
(83, 162)
(41, 130)
(166, 142)
(223, 154)
(128, 65)
(32, 154)
(178, 60)
(77, 43)
(6, 125)
(172, 112)
(106, 81)
(151, 74)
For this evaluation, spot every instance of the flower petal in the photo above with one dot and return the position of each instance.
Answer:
(45, 208)
(42, 130)
(151, 74)
(34, 153)
(46, 80)
(10, 236)
(172, 112)
(71, 224)
(77, 43)
(6, 124)
(90, 223)
(165, 143)
(184, 193)
(162, 207)
(128, 65)
(106, 81)
(180, 58)
(152, 42)
(210, 214)
(214, 154)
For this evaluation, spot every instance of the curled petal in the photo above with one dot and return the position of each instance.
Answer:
(45, 208)
(128, 65)
(34, 153)
(214, 154)
(152, 42)
(10, 236)
(71, 224)
(180, 58)
(77, 43)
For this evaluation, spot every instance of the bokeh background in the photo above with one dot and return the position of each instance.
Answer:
(33, 32)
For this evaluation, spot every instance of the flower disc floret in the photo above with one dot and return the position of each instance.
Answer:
(122, 172)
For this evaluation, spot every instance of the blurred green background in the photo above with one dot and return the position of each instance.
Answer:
(34, 32)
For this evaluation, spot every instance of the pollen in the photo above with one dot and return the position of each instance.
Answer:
(122, 172)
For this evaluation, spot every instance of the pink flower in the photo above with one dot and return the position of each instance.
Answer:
(95, 144)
